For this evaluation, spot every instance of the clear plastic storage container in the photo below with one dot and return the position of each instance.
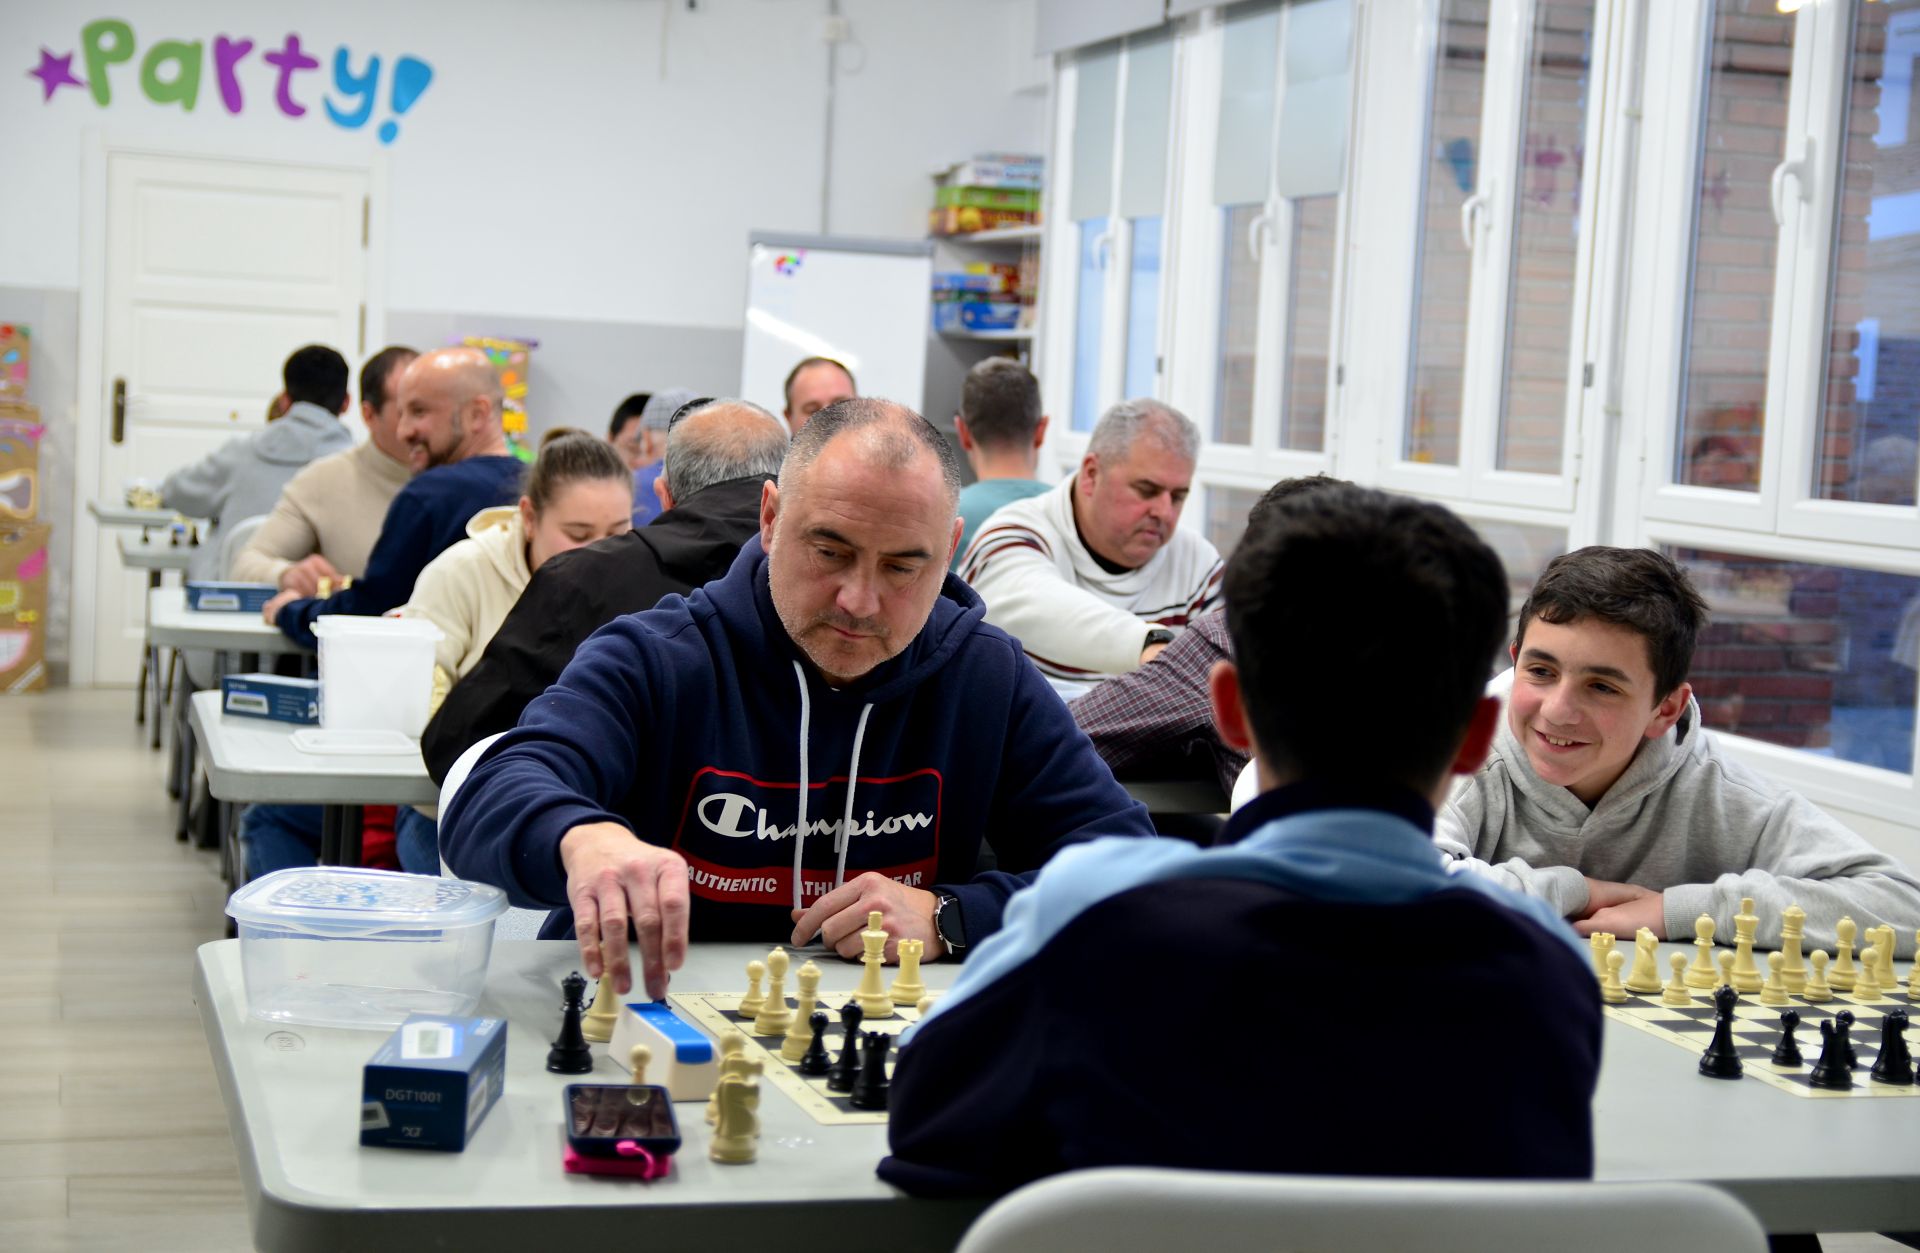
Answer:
(334, 946)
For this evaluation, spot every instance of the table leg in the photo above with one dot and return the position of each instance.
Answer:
(185, 755)
(340, 835)
(140, 688)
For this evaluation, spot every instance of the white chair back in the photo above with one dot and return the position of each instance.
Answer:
(516, 923)
(234, 540)
(1131, 1210)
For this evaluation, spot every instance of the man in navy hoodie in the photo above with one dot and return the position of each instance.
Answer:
(828, 729)
(450, 408)
(1300, 997)
(450, 405)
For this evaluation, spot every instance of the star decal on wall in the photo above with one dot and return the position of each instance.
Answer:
(54, 73)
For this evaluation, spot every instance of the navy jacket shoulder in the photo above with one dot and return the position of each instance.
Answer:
(699, 726)
(575, 594)
(1232, 1024)
(427, 517)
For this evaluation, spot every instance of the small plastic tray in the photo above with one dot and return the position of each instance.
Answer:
(322, 742)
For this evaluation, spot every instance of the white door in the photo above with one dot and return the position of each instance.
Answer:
(215, 271)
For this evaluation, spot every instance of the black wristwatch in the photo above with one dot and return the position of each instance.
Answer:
(1157, 635)
(948, 922)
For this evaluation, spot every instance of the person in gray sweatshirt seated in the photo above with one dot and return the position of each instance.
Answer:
(1605, 796)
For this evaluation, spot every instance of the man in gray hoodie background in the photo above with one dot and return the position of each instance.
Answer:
(1604, 795)
(244, 476)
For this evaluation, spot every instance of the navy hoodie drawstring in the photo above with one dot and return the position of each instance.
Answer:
(853, 776)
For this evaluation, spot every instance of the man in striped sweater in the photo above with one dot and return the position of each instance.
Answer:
(1096, 577)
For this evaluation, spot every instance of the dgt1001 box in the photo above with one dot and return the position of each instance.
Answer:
(433, 1081)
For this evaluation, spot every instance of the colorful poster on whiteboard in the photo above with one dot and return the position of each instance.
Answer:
(865, 303)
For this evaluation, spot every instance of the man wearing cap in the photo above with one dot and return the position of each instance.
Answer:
(654, 416)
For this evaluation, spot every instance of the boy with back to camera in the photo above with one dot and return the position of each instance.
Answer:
(1283, 1001)
(1605, 797)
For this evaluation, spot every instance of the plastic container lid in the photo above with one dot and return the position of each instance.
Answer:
(344, 901)
(341, 625)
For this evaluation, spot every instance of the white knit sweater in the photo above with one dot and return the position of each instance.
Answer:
(1077, 622)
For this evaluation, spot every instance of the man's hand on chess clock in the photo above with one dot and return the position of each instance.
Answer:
(1622, 909)
(840, 916)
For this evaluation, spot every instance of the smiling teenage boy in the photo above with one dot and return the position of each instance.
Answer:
(1605, 796)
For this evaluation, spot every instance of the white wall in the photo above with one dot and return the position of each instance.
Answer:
(583, 159)
(587, 171)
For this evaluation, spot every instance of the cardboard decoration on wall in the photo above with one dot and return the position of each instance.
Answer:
(16, 356)
(20, 434)
(23, 607)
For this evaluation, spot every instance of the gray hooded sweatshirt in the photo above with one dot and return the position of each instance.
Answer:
(1684, 820)
(242, 478)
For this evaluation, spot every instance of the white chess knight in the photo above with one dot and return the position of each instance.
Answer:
(736, 1134)
(1645, 975)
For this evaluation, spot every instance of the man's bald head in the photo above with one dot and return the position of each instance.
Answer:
(717, 442)
(451, 402)
(858, 533)
(886, 435)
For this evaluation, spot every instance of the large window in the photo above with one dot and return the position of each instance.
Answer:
(1588, 271)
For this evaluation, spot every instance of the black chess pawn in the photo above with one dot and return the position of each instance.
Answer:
(841, 1074)
(571, 1054)
(1722, 1059)
(1894, 1065)
(1843, 1032)
(1787, 1052)
(870, 1088)
(816, 1061)
(1831, 1071)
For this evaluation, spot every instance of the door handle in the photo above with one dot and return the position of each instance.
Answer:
(119, 411)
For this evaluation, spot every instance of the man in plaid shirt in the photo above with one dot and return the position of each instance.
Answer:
(1157, 720)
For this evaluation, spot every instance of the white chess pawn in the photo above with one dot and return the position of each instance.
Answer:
(750, 1004)
(637, 1058)
(925, 1003)
(1611, 990)
(1842, 977)
(736, 1134)
(1676, 992)
(775, 1014)
(1701, 973)
(1866, 986)
(597, 1023)
(1817, 988)
(1775, 990)
(1726, 970)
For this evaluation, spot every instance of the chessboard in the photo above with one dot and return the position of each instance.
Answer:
(715, 1012)
(1756, 1030)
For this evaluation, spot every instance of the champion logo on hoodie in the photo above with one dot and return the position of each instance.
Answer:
(736, 833)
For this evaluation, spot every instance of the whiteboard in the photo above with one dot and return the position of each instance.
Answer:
(865, 303)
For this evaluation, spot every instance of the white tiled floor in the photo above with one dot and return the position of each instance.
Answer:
(112, 1133)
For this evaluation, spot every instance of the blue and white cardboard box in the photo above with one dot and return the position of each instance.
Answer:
(214, 596)
(275, 696)
(433, 1081)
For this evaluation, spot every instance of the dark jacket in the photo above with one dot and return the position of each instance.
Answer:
(429, 516)
(575, 594)
(699, 726)
(1317, 995)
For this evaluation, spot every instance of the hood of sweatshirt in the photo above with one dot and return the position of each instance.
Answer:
(304, 432)
(498, 532)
